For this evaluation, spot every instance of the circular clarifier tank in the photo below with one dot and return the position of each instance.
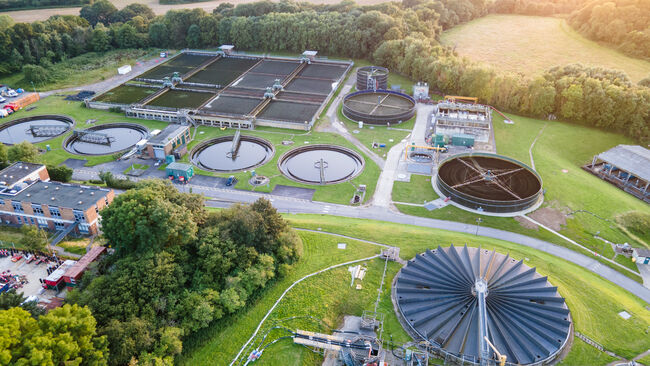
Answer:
(321, 164)
(105, 139)
(34, 129)
(221, 155)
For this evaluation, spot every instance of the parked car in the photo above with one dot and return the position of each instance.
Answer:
(11, 93)
(231, 181)
(2, 100)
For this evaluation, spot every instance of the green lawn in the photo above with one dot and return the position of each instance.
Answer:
(418, 190)
(531, 44)
(136, 166)
(644, 361)
(584, 354)
(82, 70)
(370, 134)
(593, 301)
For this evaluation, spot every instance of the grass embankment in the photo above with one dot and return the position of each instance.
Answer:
(529, 45)
(594, 302)
(584, 354)
(81, 70)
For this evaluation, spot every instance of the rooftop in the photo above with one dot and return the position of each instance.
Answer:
(169, 133)
(61, 194)
(633, 159)
(58, 273)
(81, 265)
(16, 172)
(642, 252)
(179, 166)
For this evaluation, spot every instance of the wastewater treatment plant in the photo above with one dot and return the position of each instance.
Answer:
(230, 90)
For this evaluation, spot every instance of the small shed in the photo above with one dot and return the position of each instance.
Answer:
(641, 255)
(180, 171)
(73, 274)
(55, 279)
(227, 49)
(123, 70)
(462, 140)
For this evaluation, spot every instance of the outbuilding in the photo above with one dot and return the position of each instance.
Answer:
(626, 166)
(181, 172)
(73, 274)
(170, 139)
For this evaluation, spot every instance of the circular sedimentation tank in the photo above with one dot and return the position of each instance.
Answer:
(372, 77)
(378, 107)
(440, 295)
(105, 139)
(489, 183)
(321, 164)
(217, 155)
(34, 129)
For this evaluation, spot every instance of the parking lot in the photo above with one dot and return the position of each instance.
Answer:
(32, 272)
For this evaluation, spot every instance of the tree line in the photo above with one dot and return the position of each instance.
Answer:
(33, 4)
(178, 268)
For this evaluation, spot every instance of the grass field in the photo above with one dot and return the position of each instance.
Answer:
(418, 190)
(530, 45)
(593, 301)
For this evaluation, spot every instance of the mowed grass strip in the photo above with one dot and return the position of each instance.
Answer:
(594, 302)
(529, 45)
(418, 190)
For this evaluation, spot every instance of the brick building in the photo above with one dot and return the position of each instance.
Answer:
(51, 205)
(174, 138)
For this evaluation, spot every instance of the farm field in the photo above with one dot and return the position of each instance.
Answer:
(42, 14)
(530, 45)
(594, 306)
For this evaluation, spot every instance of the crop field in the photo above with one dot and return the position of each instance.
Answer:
(593, 301)
(530, 45)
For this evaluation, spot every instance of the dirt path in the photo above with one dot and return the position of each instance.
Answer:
(41, 14)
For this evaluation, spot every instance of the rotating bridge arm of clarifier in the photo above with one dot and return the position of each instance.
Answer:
(481, 288)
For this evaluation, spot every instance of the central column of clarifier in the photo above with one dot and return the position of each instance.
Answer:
(481, 288)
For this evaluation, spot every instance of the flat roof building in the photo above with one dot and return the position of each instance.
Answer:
(56, 206)
(627, 167)
(180, 171)
(20, 172)
(55, 279)
(452, 118)
(171, 138)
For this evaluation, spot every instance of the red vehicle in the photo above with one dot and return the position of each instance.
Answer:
(16, 257)
(30, 258)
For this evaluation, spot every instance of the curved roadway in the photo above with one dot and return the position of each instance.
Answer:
(225, 198)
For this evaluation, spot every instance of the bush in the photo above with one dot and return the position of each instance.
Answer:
(60, 173)
(115, 109)
(36, 74)
(112, 182)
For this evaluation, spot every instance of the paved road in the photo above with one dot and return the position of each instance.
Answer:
(225, 198)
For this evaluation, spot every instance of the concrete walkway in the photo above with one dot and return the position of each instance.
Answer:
(384, 190)
(421, 121)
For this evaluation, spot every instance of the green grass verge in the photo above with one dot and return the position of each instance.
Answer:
(594, 302)
(644, 361)
(583, 354)
(418, 190)
(136, 166)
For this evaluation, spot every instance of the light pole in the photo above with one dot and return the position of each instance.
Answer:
(478, 223)
(33, 87)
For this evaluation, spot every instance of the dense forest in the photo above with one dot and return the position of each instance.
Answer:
(33, 4)
(622, 24)
(402, 36)
(177, 268)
